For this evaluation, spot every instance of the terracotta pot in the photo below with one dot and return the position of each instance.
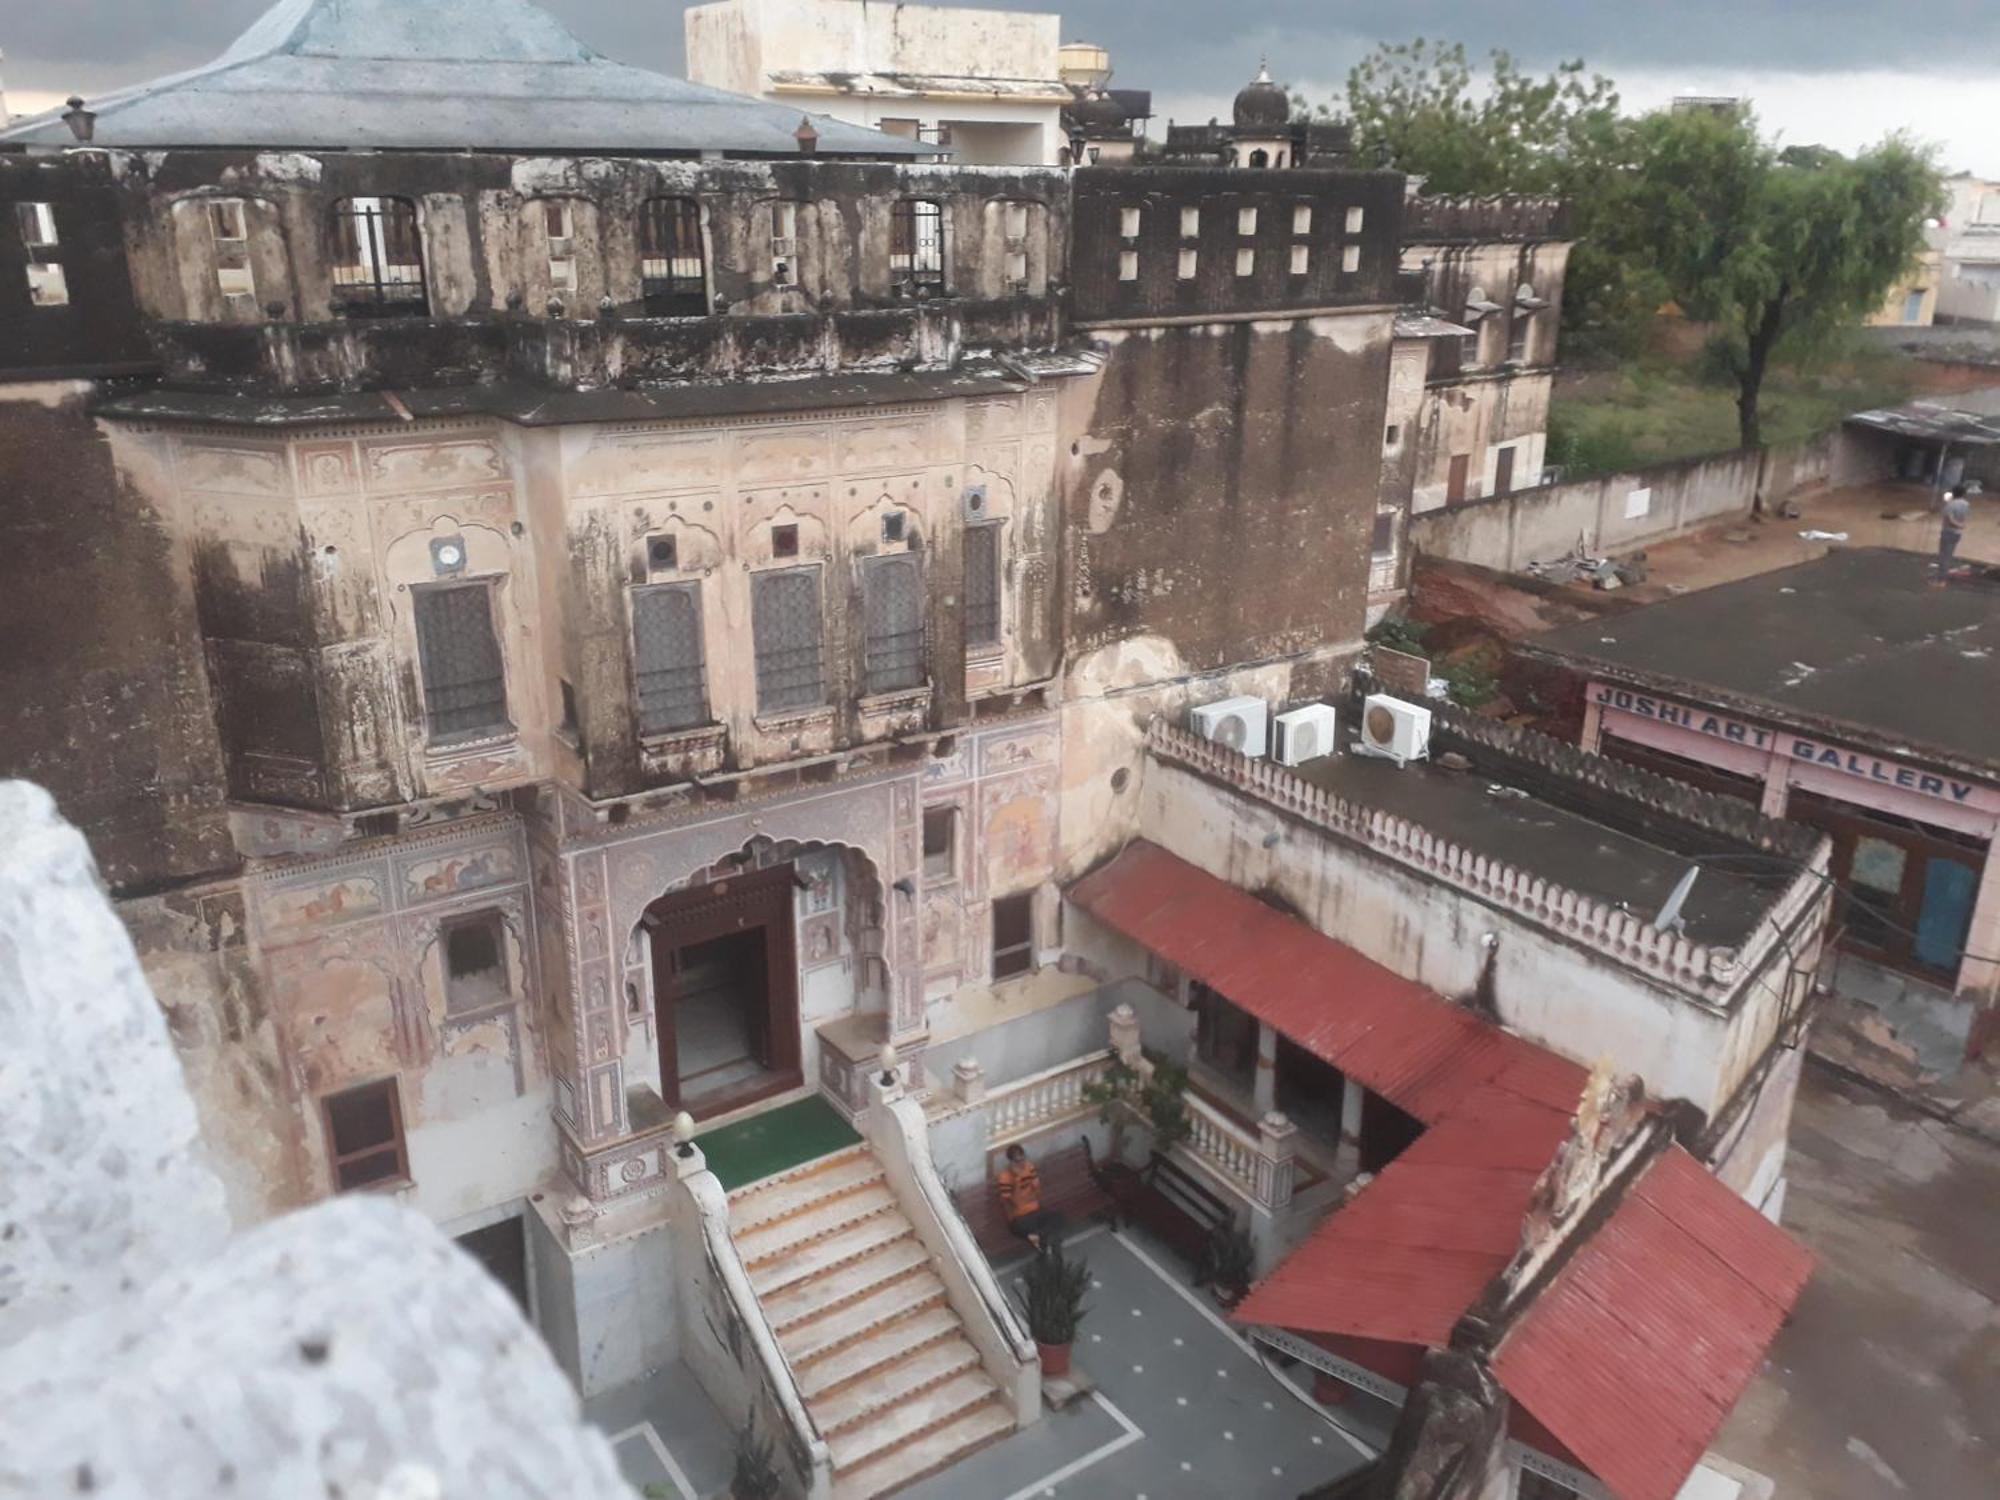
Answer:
(1055, 1358)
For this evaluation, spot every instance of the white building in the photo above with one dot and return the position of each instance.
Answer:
(985, 85)
(1969, 291)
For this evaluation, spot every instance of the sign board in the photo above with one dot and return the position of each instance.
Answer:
(1400, 674)
(1638, 503)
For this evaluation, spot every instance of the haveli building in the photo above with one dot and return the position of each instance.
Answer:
(685, 608)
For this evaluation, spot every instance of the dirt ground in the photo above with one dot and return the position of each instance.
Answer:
(1886, 1382)
(1738, 548)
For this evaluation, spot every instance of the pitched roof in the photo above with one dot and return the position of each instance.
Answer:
(1635, 1352)
(1634, 1355)
(440, 75)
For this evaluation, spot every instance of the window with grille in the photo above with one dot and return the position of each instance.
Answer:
(982, 584)
(364, 1136)
(378, 261)
(667, 658)
(1520, 333)
(48, 285)
(787, 629)
(1013, 935)
(475, 962)
(916, 246)
(465, 681)
(672, 275)
(893, 603)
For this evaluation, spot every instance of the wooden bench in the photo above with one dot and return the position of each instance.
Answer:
(1070, 1186)
(1168, 1202)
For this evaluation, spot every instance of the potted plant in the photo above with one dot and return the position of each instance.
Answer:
(1051, 1296)
(1155, 1096)
(756, 1476)
(1228, 1261)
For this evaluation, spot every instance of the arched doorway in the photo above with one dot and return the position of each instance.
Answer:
(725, 990)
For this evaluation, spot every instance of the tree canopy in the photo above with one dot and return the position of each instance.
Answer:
(1775, 247)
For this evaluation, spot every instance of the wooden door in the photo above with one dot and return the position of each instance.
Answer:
(1454, 485)
(758, 902)
(1503, 474)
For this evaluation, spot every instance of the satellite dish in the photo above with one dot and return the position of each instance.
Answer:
(1669, 919)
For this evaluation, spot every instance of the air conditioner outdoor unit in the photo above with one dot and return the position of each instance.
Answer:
(1394, 730)
(1238, 723)
(1304, 734)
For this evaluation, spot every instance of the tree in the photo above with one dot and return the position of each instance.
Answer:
(1777, 249)
(1421, 108)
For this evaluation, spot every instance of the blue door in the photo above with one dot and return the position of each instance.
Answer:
(1946, 915)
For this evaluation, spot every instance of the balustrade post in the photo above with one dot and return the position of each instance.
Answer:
(1125, 1036)
(1277, 1146)
(968, 1080)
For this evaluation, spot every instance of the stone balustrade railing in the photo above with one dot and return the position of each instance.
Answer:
(1045, 1099)
(1710, 971)
(1259, 1163)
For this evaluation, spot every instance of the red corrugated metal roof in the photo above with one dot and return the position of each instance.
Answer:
(1387, 1032)
(1636, 1352)
(1634, 1355)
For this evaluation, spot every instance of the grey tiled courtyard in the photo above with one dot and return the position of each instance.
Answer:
(1183, 1408)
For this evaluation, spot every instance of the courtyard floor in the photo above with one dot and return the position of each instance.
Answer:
(1886, 1382)
(1183, 1409)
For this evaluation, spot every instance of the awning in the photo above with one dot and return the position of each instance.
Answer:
(1635, 1354)
(1388, 1033)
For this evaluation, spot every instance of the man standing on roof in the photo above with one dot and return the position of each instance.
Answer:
(1956, 511)
(1021, 1197)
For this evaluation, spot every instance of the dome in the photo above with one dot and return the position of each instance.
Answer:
(1263, 104)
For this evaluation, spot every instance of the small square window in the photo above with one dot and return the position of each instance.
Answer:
(1017, 221)
(941, 844)
(556, 220)
(1013, 935)
(785, 541)
(662, 553)
(892, 526)
(1383, 543)
(235, 281)
(562, 274)
(1302, 219)
(38, 225)
(1190, 223)
(1128, 223)
(47, 285)
(1246, 221)
(1350, 259)
(1189, 264)
(1355, 218)
(364, 1136)
(475, 960)
(1301, 259)
(1128, 265)
(1246, 261)
(1393, 438)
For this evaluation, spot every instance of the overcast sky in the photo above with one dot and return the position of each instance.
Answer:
(1839, 72)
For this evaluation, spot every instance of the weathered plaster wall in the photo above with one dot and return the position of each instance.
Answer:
(108, 698)
(96, 328)
(1551, 991)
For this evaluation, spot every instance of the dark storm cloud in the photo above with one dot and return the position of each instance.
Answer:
(1168, 45)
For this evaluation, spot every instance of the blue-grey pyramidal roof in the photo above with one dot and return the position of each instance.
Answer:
(500, 75)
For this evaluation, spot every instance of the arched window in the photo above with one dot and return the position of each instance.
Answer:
(916, 248)
(672, 274)
(1260, 158)
(378, 259)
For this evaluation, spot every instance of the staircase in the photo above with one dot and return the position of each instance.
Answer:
(881, 1359)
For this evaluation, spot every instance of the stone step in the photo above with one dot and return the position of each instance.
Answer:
(778, 1240)
(881, 1345)
(913, 1291)
(905, 1377)
(788, 1196)
(796, 1305)
(821, 1256)
(779, 1181)
(903, 1423)
(934, 1451)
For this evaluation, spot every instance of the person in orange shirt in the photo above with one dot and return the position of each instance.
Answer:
(1021, 1197)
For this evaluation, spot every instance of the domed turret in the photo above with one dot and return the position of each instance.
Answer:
(1263, 105)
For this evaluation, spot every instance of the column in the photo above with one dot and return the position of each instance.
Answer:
(1277, 1143)
(1350, 1110)
(1264, 1087)
(1777, 785)
(1979, 976)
